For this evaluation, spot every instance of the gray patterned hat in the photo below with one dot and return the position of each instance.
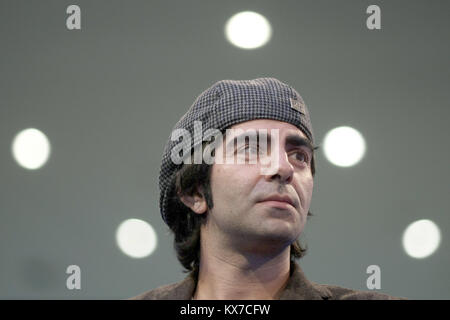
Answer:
(224, 104)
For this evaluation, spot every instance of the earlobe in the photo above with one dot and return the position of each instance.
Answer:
(196, 203)
(199, 206)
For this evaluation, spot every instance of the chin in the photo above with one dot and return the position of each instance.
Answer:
(281, 235)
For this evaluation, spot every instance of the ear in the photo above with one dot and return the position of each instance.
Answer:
(196, 203)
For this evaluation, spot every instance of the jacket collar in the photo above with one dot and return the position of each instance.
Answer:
(297, 288)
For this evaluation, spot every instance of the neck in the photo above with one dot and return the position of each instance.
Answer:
(237, 275)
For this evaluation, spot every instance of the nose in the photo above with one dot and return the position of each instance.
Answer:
(283, 169)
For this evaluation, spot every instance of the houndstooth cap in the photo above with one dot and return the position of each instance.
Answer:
(224, 104)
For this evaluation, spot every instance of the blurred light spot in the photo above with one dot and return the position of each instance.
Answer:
(31, 148)
(421, 238)
(344, 146)
(248, 30)
(136, 238)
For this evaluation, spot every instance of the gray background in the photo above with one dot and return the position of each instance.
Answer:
(108, 95)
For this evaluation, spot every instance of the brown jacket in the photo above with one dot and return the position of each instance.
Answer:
(297, 288)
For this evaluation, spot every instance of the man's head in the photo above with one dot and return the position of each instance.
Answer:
(241, 213)
(231, 201)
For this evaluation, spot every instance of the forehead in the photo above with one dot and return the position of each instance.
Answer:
(268, 124)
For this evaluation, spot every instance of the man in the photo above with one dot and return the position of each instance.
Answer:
(237, 223)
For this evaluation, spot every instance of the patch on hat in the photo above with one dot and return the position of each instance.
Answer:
(297, 105)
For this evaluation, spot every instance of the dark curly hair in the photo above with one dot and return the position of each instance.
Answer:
(185, 224)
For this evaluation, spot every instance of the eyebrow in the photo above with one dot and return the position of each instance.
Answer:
(291, 139)
(298, 141)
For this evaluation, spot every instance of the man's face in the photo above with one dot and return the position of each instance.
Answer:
(240, 215)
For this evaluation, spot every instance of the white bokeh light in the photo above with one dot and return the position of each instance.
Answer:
(31, 148)
(421, 238)
(248, 30)
(136, 238)
(344, 146)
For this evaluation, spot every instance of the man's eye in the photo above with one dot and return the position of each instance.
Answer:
(251, 147)
(301, 156)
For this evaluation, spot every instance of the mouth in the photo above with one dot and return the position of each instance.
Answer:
(277, 204)
(279, 201)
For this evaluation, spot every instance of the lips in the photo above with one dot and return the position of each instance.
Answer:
(279, 198)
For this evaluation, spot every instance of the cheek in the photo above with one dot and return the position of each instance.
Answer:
(304, 187)
(230, 182)
(308, 197)
(309, 187)
(222, 180)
